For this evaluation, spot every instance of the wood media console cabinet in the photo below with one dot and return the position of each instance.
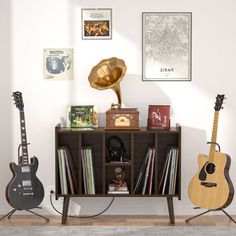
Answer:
(136, 144)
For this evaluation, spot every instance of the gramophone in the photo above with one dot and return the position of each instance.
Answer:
(107, 74)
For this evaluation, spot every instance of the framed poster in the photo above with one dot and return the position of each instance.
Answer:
(167, 43)
(96, 23)
(58, 64)
(158, 117)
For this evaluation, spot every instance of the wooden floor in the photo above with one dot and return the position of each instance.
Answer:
(29, 220)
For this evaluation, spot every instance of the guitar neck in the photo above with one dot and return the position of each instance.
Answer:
(25, 158)
(213, 137)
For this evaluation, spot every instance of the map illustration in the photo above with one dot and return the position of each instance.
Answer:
(166, 46)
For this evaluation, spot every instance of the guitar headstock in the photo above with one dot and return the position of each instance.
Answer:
(219, 102)
(17, 96)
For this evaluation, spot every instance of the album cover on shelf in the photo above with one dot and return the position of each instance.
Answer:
(158, 117)
(82, 116)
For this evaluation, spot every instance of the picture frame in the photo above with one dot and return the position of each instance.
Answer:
(96, 23)
(167, 46)
(58, 63)
(158, 117)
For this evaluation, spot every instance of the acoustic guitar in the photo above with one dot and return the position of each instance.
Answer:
(211, 187)
(24, 191)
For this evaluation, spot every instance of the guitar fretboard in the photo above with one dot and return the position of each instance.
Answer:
(24, 158)
(213, 137)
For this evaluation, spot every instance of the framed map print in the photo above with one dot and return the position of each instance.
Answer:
(167, 54)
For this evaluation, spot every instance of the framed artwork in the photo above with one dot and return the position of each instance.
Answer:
(97, 23)
(58, 64)
(158, 117)
(167, 46)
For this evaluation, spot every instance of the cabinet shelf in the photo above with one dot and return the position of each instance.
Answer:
(136, 143)
(117, 164)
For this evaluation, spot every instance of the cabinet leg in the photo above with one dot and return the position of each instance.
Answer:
(65, 209)
(171, 209)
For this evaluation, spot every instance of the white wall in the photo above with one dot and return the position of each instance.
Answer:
(28, 26)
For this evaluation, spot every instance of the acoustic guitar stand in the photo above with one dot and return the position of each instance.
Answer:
(220, 209)
(10, 213)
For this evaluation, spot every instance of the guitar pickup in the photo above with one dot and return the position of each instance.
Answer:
(26, 194)
(28, 188)
(208, 184)
(26, 183)
(25, 169)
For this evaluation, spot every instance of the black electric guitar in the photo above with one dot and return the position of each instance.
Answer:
(211, 187)
(24, 191)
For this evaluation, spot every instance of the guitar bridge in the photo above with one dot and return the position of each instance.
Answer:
(208, 184)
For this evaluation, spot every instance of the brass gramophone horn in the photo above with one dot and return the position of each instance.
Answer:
(107, 74)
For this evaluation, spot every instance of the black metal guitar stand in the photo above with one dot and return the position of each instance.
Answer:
(10, 213)
(220, 209)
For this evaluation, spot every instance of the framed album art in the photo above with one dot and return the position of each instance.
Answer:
(58, 64)
(167, 42)
(158, 117)
(96, 23)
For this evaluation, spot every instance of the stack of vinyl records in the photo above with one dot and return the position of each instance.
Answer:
(67, 173)
(144, 180)
(88, 171)
(167, 184)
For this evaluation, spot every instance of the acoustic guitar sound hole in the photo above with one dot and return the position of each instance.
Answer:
(210, 168)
